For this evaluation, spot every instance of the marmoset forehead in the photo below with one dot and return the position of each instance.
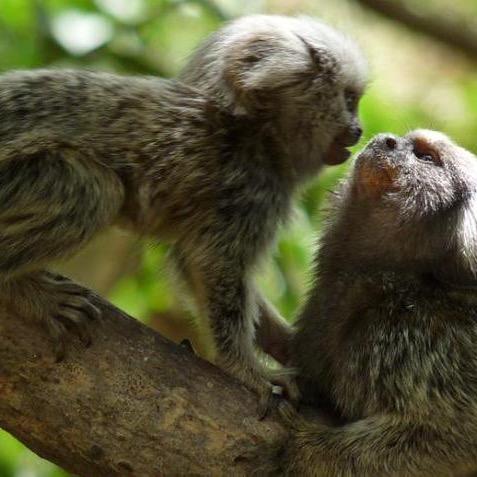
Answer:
(449, 148)
(344, 49)
(431, 137)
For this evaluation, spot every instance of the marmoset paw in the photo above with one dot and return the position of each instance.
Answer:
(286, 381)
(69, 309)
(288, 413)
(257, 380)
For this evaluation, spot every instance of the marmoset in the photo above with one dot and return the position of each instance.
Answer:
(254, 61)
(81, 150)
(387, 337)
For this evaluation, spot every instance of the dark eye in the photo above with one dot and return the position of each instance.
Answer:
(423, 156)
(351, 100)
(425, 153)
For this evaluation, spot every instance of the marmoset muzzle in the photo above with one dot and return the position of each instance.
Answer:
(338, 153)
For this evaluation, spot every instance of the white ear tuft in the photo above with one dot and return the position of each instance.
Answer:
(466, 236)
(259, 62)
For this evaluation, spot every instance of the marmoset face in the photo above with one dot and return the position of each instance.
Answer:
(302, 75)
(418, 176)
(411, 202)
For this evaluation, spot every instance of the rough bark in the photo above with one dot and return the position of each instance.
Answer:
(451, 29)
(132, 404)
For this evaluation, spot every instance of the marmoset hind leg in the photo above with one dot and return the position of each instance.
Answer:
(51, 203)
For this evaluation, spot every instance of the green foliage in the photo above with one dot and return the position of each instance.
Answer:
(155, 37)
(149, 289)
(17, 461)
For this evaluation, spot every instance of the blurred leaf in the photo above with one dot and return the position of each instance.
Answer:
(172, 36)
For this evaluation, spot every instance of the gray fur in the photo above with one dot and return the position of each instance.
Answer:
(297, 73)
(80, 151)
(387, 338)
(302, 80)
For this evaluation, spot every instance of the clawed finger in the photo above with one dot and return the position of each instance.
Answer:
(289, 387)
(287, 413)
(267, 402)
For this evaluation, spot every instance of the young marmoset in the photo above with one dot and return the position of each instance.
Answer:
(82, 150)
(388, 336)
(259, 66)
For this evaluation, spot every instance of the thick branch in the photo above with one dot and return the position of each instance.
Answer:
(453, 30)
(131, 404)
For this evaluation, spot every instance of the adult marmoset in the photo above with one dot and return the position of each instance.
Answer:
(81, 150)
(388, 337)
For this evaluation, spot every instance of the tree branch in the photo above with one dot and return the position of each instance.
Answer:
(133, 404)
(453, 30)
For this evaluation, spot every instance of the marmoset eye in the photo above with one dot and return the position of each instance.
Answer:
(423, 156)
(351, 100)
(425, 153)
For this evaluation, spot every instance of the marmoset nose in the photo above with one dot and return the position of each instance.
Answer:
(350, 135)
(390, 142)
(356, 132)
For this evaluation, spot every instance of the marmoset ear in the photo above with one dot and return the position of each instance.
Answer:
(321, 60)
(260, 64)
(466, 237)
(459, 266)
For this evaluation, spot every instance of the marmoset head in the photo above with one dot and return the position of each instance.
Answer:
(299, 73)
(412, 201)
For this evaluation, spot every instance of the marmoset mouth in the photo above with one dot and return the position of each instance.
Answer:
(338, 151)
(336, 154)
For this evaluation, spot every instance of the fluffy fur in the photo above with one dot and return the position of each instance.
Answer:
(302, 76)
(387, 338)
(212, 172)
(303, 79)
